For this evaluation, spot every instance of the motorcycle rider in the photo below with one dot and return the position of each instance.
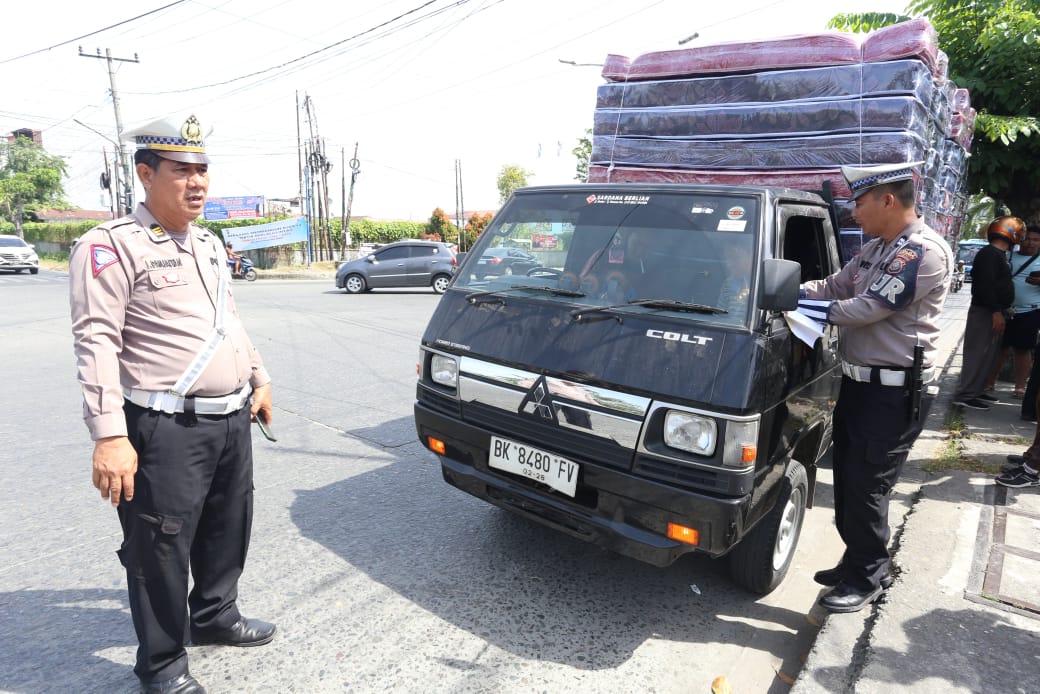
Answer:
(234, 260)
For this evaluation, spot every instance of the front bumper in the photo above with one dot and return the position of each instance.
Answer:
(613, 509)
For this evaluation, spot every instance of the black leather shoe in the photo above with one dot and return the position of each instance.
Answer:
(244, 632)
(832, 577)
(181, 684)
(845, 598)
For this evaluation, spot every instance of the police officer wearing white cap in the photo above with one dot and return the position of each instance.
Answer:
(887, 302)
(170, 384)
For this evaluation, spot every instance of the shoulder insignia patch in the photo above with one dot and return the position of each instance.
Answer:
(101, 257)
(897, 284)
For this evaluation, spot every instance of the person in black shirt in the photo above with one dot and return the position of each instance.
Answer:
(992, 293)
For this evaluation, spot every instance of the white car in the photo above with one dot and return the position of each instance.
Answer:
(17, 255)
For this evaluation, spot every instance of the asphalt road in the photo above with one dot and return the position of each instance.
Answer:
(379, 575)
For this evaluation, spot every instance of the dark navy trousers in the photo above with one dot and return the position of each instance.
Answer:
(192, 510)
(872, 438)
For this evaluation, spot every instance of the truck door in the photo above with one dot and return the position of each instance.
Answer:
(807, 237)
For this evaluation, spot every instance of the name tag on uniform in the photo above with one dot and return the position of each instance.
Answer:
(162, 263)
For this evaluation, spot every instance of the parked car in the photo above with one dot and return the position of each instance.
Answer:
(411, 263)
(505, 261)
(17, 255)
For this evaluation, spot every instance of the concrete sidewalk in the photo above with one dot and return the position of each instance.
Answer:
(964, 612)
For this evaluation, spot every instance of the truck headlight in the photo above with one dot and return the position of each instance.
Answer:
(690, 432)
(444, 371)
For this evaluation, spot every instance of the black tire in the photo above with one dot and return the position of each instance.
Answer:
(507, 270)
(354, 283)
(34, 271)
(250, 275)
(760, 561)
(440, 283)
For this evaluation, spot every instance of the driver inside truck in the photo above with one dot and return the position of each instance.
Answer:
(623, 270)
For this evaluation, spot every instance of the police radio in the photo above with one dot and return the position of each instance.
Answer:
(916, 383)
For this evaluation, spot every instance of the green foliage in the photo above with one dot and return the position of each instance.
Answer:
(583, 153)
(510, 178)
(29, 179)
(864, 22)
(441, 227)
(994, 51)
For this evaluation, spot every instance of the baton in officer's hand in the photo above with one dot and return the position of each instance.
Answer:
(265, 428)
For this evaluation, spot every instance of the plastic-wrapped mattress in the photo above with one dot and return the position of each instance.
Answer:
(766, 153)
(897, 77)
(912, 39)
(799, 179)
(785, 119)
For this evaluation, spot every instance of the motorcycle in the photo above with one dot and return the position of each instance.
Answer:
(958, 277)
(246, 270)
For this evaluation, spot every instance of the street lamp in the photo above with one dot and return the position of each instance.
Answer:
(571, 62)
(118, 207)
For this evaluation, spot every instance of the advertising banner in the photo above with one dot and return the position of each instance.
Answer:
(277, 233)
(243, 207)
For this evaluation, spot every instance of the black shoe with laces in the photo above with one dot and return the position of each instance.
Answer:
(986, 397)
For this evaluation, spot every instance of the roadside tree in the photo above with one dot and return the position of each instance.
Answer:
(994, 52)
(510, 178)
(30, 179)
(583, 153)
(440, 227)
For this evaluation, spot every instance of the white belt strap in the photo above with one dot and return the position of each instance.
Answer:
(172, 404)
(209, 347)
(887, 377)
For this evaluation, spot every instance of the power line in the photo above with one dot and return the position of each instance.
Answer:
(78, 38)
(312, 53)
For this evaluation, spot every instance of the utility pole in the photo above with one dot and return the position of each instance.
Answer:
(126, 200)
(460, 207)
(355, 169)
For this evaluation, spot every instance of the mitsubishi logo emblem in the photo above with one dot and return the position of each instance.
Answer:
(538, 402)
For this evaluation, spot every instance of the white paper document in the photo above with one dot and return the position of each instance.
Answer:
(804, 328)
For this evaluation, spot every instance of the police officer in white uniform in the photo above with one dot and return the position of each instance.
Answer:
(887, 303)
(170, 385)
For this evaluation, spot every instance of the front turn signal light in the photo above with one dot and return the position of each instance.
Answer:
(681, 533)
(436, 445)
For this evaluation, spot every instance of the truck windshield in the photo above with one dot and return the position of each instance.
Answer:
(627, 250)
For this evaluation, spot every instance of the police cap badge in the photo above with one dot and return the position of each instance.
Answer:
(173, 138)
(863, 178)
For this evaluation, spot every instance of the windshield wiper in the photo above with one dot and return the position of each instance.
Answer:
(555, 291)
(581, 313)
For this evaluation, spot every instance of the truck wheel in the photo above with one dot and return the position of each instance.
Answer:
(761, 560)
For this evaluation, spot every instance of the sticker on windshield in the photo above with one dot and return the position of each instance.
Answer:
(735, 212)
(697, 209)
(614, 199)
(732, 225)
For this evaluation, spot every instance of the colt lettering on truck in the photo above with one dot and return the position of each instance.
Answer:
(638, 386)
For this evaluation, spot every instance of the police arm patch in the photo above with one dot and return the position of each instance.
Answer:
(896, 285)
(101, 257)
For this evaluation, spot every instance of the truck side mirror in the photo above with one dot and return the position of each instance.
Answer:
(780, 284)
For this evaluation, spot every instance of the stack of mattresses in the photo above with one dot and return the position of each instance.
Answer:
(790, 112)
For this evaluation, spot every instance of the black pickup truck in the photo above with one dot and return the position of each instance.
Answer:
(641, 388)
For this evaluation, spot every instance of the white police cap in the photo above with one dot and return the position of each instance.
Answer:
(179, 139)
(863, 178)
